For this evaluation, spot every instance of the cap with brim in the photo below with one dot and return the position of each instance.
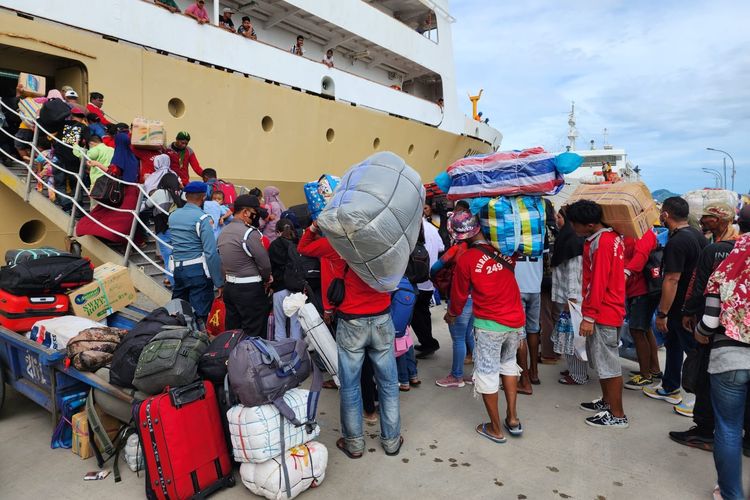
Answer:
(720, 210)
(71, 93)
(196, 187)
(228, 10)
(463, 225)
(246, 201)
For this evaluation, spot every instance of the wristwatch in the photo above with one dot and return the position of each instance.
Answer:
(660, 314)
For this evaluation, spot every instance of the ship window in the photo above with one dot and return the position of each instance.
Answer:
(267, 123)
(328, 86)
(376, 143)
(176, 107)
(32, 231)
(330, 135)
(411, 149)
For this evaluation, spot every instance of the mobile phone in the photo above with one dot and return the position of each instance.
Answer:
(96, 475)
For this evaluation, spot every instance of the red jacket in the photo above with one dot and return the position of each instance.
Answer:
(182, 161)
(493, 288)
(92, 108)
(331, 265)
(637, 252)
(604, 279)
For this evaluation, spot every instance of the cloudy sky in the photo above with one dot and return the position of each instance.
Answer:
(667, 78)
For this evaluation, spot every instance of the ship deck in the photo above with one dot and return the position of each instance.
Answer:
(442, 457)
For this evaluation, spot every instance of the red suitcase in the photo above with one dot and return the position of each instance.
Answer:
(183, 443)
(20, 312)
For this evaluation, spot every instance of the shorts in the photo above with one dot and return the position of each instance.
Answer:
(602, 351)
(23, 134)
(641, 312)
(494, 355)
(532, 305)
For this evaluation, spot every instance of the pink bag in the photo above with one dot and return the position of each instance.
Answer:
(401, 345)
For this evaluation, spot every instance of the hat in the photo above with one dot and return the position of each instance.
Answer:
(463, 225)
(719, 210)
(246, 201)
(183, 136)
(196, 187)
(77, 111)
(71, 93)
(227, 9)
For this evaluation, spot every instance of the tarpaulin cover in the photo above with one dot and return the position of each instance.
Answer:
(505, 173)
(374, 217)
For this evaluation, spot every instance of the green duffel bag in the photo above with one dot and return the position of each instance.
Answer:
(170, 359)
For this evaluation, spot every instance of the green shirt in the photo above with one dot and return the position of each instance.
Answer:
(492, 326)
(168, 3)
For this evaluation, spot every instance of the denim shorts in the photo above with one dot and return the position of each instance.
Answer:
(641, 311)
(494, 355)
(532, 305)
(602, 351)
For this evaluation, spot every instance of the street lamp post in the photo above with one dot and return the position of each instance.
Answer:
(734, 170)
(716, 174)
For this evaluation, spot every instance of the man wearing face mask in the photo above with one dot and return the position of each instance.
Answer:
(247, 268)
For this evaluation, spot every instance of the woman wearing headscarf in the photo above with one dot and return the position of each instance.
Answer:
(125, 166)
(566, 262)
(274, 207)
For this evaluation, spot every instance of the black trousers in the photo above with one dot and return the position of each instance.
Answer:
(247, 308)
(421, 321)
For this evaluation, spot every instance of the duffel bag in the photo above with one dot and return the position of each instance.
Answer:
(170, 359)
(51, 275)
(55, 333)
(53, 114)
(213, 363)
(93, 347)
(22, 255)
(299, 469)
(255, 432)
(515, 224)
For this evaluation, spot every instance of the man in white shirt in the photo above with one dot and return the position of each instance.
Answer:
(297, 49)
(529, 272)
(421, 321)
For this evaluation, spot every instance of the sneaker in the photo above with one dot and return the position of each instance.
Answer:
(672, 398)
(658, 375)
(693, 438)
(597, 405)
(637, 382)
(684, 409)
(450, 381)
(606, 419)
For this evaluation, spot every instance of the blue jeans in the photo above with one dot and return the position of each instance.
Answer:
(370, 336)
(407, 366)
(678, 342)
(165, 251)
(728, 394)
(192, 285)
(462, 334)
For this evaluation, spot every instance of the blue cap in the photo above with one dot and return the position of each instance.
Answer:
(196, 187)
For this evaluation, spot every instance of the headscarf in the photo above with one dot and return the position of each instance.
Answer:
(568, 244)
(182, 136)
(161, 167)
(271, 195)
(54, 94)
(124, 159)
(731, 282)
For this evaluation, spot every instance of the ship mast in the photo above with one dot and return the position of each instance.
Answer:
(572, 131)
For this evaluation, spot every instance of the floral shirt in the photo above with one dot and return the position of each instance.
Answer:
(731, 282)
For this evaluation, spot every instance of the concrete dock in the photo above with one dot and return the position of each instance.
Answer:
(559, 456)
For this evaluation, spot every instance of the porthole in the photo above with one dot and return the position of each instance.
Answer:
(267, 123)
(32, 231)
(376, 143)
(330, 135)
(437, 153)
(176, 107)
(411, 149)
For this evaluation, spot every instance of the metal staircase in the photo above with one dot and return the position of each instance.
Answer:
(144, 264)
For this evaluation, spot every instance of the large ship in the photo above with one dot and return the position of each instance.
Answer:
(257, 112)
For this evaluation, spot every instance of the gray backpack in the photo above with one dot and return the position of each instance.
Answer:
(170, 359)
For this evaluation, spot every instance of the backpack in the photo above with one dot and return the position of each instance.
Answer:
(93, 347)
(125, 358)
(300, 271)
(402, 306)
(230, 193)
(170, 359)
(213, 363)
(653, 272)
(54, 274)
(53, 114)
(418, 268)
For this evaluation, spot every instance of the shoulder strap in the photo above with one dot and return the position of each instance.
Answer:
(497, 257)
(198, 224)
(244, 241)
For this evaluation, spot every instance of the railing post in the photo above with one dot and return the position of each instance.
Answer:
(31, 165)
(77, 193)
(138, 205)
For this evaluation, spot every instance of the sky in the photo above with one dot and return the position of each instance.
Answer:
(666, 78)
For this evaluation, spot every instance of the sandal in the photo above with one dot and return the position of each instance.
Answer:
(536, 381)
(482, 431)
(404, 387)
(526, 392)
(330, 384)
(415, 382)
(568, 380)
(396, 452)
(341, 445)
(516, 430)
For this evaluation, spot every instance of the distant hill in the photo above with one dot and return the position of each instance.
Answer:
(662, 194)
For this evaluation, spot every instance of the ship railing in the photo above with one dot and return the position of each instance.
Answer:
(80, 185)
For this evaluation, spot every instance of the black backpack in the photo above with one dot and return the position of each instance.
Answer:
(301, 271)
(53, 114)
(125, 358)
(418, 268)
(653, 272)
(212, 365)
(54, 274)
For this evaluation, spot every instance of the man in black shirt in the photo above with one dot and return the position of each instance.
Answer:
(74, 135)
(225, 21)
(680, 259)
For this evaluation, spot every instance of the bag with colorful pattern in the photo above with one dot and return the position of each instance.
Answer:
(515, 224)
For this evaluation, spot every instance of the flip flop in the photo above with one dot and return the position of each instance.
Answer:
(404, 387)
(525, 392)
(396, 452)
(536, 381)
(483, 432)
(567, 380)
(415, 382)
(341, 445)
(330, 384)
(516, 431)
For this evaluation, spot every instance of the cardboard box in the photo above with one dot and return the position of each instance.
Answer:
(80, 424)
(628, 207)
(33, 85)
(111, 291)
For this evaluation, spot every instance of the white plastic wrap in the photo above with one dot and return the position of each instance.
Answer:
(374, 217)
(700, 198)
(132, 453)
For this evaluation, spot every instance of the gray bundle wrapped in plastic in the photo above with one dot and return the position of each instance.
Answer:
(374, 217)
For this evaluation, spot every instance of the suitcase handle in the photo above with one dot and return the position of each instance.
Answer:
(187, 394)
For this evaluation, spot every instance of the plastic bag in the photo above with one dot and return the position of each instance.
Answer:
(576, 317)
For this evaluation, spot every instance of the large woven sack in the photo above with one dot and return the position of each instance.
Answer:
(93, 347)
(305, 468)
(170, 359)
(374, 217)
(261, 371)
(701, 198)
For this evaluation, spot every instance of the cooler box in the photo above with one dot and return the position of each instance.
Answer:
(148, 134)
(20, 312)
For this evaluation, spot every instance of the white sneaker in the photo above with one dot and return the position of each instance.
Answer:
(684, 408)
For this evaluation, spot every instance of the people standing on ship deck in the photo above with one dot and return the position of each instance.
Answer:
(247, 29)
(198, 11)
(297, 47)
(183, 157)
(328, 59)
(225, 21)
(170, 5)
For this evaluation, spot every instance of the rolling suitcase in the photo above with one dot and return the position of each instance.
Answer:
(20, 312)
(183, 443)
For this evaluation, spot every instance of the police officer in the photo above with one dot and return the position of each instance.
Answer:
(197, 267)
(247, 267)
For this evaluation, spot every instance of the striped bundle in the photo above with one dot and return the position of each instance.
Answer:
(515, 224)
